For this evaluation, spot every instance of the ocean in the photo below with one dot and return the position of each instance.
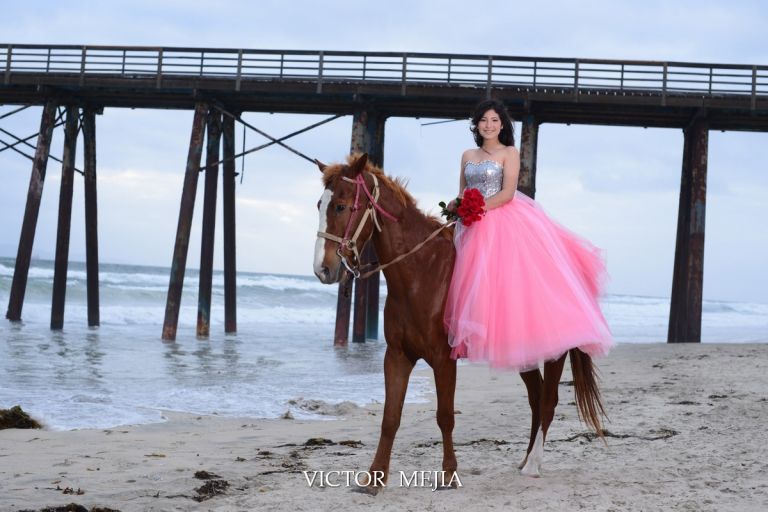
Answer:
(281, 359)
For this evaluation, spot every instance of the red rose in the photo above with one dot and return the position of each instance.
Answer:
(469, 208)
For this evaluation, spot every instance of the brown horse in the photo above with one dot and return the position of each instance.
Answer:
(413, 314)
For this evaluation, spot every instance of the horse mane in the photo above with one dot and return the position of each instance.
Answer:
(396, 185)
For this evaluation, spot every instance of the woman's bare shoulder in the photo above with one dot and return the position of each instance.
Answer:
(469, 154)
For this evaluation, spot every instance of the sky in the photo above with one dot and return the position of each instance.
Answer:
(616, 186)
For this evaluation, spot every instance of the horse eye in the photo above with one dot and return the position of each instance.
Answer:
(340, 208)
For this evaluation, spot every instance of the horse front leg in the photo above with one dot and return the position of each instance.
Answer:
(397, 371)
(552, 372)
(445, 384)
(533, 384)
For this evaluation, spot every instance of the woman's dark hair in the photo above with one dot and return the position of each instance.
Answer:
(507, 134)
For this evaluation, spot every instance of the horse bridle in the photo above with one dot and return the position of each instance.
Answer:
(350, 243)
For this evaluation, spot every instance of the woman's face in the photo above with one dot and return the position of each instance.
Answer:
(489, 125)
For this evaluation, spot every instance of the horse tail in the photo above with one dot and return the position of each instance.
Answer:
(588, 400)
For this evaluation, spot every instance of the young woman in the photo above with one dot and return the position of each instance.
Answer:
(524, 288)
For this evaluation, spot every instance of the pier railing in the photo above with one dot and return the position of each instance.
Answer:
(479, 71)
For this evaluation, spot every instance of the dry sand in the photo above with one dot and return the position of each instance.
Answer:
(688, 432)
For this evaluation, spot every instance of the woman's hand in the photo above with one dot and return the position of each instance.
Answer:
(451, 206)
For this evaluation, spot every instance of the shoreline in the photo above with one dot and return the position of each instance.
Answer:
(686, 433)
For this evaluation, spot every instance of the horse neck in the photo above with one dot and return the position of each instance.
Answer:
(396, 238)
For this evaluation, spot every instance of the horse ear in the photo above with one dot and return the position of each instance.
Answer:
(359, 164)
(320, 165)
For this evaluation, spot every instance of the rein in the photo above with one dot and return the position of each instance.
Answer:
(416, 248)
(371, 210)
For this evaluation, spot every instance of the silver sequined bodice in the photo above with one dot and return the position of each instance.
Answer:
(485, 176)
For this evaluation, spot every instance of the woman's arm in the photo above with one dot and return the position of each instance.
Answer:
(509, 184)
(462, 181)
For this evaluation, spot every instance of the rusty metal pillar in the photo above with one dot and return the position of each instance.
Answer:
(528, 147)
(178, 265)
(688, 275)
(65, 218)
(209, 224)
(91, 217)
(367, 137)
(228, 212)
(29, 225)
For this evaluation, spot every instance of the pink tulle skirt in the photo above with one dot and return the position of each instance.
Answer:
(524, 290)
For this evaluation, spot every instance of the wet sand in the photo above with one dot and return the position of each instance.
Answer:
(687, 431)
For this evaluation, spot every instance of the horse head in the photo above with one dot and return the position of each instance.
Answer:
(344, 209)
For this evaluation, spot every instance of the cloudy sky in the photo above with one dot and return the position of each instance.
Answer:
(616, 186)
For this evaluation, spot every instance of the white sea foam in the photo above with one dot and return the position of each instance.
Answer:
(122, 373)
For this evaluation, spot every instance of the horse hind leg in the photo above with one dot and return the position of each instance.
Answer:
(533, 384)
(552, 372)
(445, 384)
(397, 371)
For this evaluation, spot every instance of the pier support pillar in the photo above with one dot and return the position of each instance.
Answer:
(688, 275)
(528, 147)
(65, 218)
(91, 217)
(209, 224)
(367, 137)
(181, 247)
(31, 211)
(228, 221)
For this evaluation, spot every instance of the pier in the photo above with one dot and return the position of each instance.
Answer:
(74, 84)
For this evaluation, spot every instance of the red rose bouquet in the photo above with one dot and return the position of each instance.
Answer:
(469, 208)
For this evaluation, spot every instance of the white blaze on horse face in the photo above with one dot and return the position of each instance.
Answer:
(533, 465)
(325, 200)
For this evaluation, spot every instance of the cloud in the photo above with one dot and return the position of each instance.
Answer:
(617, 186)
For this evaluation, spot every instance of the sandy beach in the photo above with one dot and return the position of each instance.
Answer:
(686, 432)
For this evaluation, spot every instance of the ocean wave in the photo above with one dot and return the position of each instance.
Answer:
(155, 314)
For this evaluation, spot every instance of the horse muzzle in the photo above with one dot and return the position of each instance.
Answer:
(330, 275)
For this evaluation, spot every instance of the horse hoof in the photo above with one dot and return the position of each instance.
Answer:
(523, 463)
(370, 490)
(530, 472)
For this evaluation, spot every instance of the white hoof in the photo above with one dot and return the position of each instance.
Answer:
(530, 471)
(522, 463)
(532, 466)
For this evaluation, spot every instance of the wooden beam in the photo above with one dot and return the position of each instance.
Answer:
(688, 274)
(65, 218)
(31, 211)
(209, 224)
(367, 137)
(91, 216)
(228, 212)
(181, 247)
(528, 148)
